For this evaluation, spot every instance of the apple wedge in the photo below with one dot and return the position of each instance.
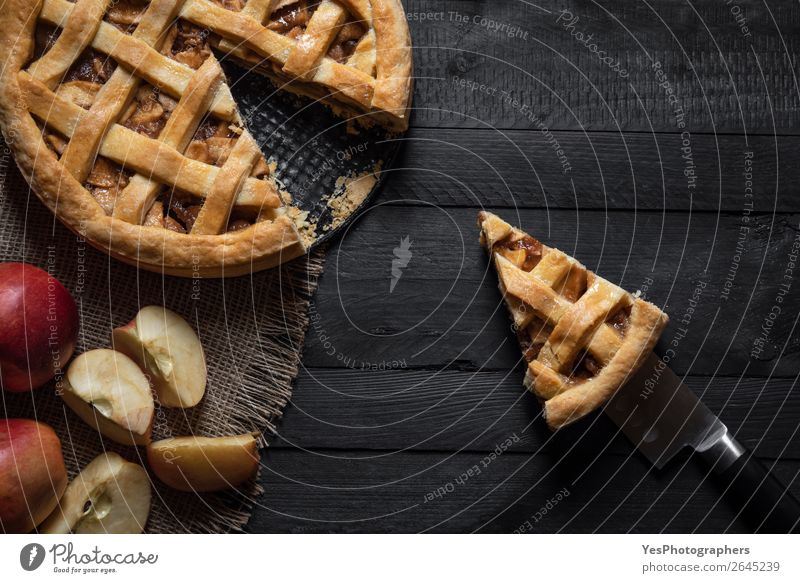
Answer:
(111, 495)
(167, 349)
(204, 464)
(110, 393)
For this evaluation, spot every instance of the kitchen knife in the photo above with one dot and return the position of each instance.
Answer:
(661, 416)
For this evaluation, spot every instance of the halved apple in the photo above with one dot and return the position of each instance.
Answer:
(167, 348)
(110, 393)
(111, 495)
(204, 464)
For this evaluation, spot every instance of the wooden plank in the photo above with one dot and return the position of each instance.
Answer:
(508, 168)
(445, 309)
(355, 491)
(475, 411)
(469, 71)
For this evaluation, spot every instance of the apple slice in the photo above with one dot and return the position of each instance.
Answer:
(110, 393)
(204, 464)
(167, 349)
(111, 495)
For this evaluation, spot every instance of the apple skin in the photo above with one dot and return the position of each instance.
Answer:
(32, 474)
(35, 309)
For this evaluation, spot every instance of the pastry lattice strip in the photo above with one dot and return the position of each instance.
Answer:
(157, 162)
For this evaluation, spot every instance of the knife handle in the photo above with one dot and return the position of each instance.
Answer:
(764, 502)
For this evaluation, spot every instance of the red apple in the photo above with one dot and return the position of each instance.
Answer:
(38, 326)
(32, 474)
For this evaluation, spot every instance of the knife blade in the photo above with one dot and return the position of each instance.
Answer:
(660, 415)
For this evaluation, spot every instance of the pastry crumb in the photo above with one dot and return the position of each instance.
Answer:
(352, 128)
(306, 229)
(350, 192)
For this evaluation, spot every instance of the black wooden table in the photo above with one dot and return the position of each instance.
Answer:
(658, 142)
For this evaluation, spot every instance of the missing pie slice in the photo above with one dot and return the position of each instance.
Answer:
(120, 118)
(581, 335)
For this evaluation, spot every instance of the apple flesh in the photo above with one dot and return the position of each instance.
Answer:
(204, 464)
(111, 495)
(38, 327)
(109, 392)
(32, 474)
(169, 351)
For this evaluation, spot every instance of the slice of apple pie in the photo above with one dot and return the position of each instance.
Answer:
(582, 336)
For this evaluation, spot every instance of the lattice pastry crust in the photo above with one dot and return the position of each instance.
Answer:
(581, 335)
(120, 118)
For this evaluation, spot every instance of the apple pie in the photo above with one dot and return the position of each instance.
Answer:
(120, 118)
(581, 336)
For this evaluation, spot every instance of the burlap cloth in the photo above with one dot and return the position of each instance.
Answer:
(251, 327)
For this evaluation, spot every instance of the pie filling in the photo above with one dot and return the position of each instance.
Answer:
(45, 37)
(532, 338)
(105, 182)
(125, 15)
(620, 320)
(150, 109)
(523, 251)
(585, 367)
